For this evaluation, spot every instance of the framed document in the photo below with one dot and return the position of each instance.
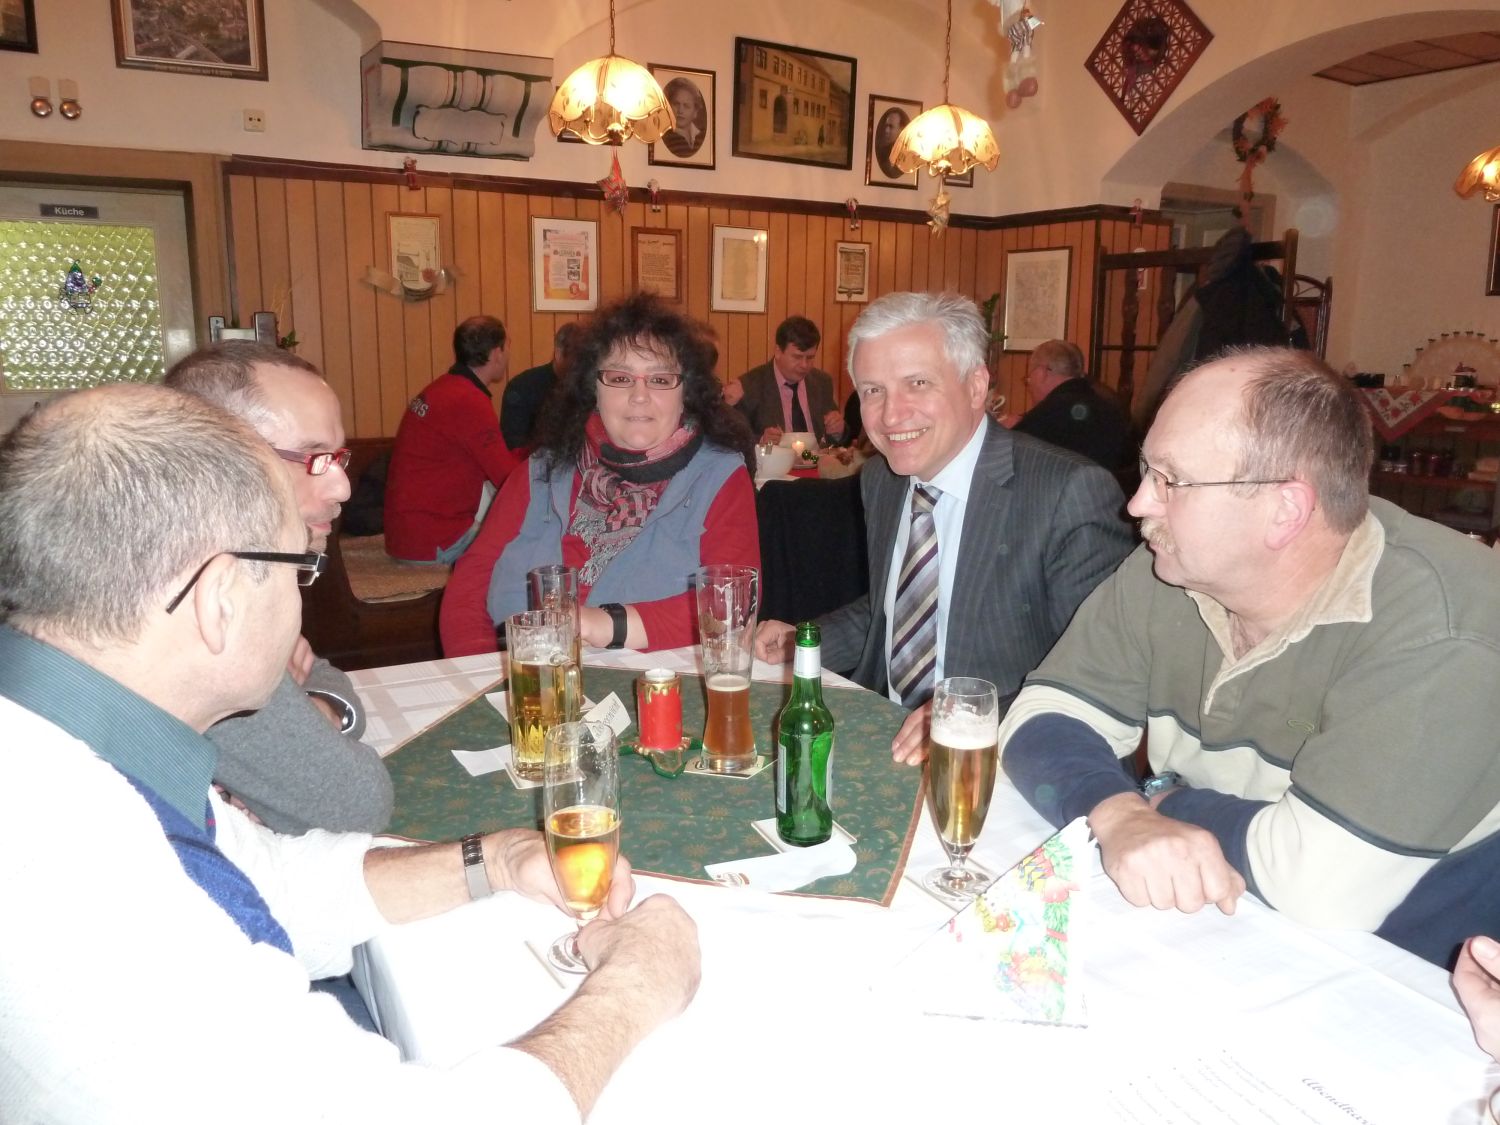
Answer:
(851, 274)
(656, 261)
(1036, 297)
(739, 274)
(564, 265)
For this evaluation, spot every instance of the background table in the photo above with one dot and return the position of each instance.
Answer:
(792, 1018)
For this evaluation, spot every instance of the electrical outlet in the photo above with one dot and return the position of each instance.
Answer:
(255, 121)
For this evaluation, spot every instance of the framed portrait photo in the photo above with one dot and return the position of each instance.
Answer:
(690, 93)
(851, 274)
(1036, 297)
(220, 38)
(793, 104)
(966, 180)
(888, 116)
(739, 270)
(18, 25)
(1492, 284)
(564, 265)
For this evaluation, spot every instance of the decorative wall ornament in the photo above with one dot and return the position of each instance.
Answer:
(1147, 50)
(1254, 136)
(78, 289)
(418, 98)
(616, 190)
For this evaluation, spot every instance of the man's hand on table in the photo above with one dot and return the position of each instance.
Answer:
(1164, 862)
(910, 743)
(656, 944)
(1475, 980)
(517, 861)
(775, 641)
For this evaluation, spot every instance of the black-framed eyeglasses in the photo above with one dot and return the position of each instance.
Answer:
(316, 463)
(1163, 486)
(309, 565)
(654, 381)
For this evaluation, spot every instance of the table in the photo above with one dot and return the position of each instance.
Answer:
(790, 1019)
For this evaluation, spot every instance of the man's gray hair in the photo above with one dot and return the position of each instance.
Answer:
(1300, 419)
(224, 374)
(1059, 357)
(965, 338)
(108, 495)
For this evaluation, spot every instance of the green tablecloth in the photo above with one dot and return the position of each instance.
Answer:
(673, 827)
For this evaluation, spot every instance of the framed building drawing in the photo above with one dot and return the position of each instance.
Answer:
(739, 270)
(690, 93)
(1036, 297)
(564, 264)
(793, 104)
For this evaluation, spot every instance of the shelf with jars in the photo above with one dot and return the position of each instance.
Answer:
(1444, 469)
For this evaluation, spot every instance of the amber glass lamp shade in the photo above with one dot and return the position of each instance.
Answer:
(947, 140)
(610, 100)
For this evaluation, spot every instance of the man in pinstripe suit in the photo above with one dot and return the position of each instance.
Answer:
(1024, 530)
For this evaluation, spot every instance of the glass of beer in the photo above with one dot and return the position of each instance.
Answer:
(962, 757)
(544, 683)
(581, 815)
(727, 600)
(556, 587)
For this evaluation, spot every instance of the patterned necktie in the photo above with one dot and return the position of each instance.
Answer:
(799, 419)
(914, 626)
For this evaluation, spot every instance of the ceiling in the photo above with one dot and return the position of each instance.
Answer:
(1417, 56)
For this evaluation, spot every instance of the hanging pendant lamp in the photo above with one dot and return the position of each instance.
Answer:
(610, 100)
(947, 140)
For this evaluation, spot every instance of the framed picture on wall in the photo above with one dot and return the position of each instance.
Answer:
(222, 38)
(690, 93)
(1036, 297)
(739, 270)
(18, 25)
(793, 104)
(966, 180)
(656, 261)
(888, 116)
(564, 264)
(851, 274)
(416, 256)
(1492, 289)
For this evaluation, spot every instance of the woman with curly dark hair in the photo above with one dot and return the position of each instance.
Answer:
(638, 479)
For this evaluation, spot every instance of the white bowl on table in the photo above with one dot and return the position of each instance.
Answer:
(772, 462)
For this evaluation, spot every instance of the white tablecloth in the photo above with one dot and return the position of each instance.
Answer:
(791, 1021)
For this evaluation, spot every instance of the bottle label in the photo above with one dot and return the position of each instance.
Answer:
(780, 781)
(808, 662)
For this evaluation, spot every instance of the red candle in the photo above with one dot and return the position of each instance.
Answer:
(659, 708)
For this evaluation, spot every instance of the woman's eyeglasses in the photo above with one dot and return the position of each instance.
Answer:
(655, 381)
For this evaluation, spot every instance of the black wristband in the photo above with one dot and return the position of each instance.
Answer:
(617, 615)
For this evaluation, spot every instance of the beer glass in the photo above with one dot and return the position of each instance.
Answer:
(581, 815)
(544, 684)
(727, 601)
(556, 587)
(962, 756)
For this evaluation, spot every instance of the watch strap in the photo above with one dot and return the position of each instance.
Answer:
(616, 615)
(475, 872)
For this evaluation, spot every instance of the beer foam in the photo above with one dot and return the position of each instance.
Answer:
(728, 681)
(965, 732)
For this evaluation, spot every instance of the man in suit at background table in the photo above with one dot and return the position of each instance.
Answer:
(1068, 410)
(982, 543)
(149, 558)
(788, 394)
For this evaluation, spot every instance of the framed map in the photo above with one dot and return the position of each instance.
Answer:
(1036, 297)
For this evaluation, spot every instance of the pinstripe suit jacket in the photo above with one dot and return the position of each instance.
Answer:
(1042, 528)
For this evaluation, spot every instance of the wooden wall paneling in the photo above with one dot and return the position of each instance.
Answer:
(513, 247)
(467, 285)
(746, 330)
(778, 273)
(952, 245)
(883, 255)
(304, 310)
(699, 278)
(416, 321)
(363, 403)
(442, 308)
(761, 327)
(271, 243)
(830, 316)
(901, 275)
(334, 278)
(719, 321)
(1080, 302)
(921, 246)
(487, 281)
(796, 276)
(390, 315)
(243, 227)
(986, 265)
(968, 265)
(1012, 373)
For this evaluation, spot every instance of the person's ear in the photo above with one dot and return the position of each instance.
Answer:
(218, 602)
(1296, 501)
(979, 387)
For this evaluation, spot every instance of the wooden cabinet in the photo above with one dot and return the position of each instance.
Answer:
(1447, 495)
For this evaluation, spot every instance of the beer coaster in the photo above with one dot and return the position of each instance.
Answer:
(696, 768)
(766, 829)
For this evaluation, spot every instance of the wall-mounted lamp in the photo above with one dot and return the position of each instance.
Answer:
(41, 97)
(69, 106)
(1482, 172)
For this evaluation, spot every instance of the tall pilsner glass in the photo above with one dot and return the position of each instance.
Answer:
(556, 587)
(962, 756)
(728, 597)
(544, 684)
(581, 807)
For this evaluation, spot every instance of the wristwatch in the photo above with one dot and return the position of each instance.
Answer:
(475, 872)
(617, 615)
(1167, 779)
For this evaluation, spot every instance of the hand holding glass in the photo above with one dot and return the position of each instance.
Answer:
(962, 757)
(581, 815)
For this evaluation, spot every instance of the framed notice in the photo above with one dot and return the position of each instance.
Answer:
(222, 38)
(656, 261)
(851, 273)
(1036, 297)
(888, 116)
(739, 274)
(690, 93)
(564, 265)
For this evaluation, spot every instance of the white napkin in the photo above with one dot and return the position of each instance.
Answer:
(480, 762)
(788, 870)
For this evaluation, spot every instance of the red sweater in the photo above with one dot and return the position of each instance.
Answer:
(447, 446)
(730, 535)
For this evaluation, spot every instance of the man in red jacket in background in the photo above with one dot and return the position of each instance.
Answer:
(449, 456)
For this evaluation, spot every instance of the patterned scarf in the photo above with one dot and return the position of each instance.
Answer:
(619, 489)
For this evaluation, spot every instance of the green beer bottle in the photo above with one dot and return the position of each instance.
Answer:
(804, 749)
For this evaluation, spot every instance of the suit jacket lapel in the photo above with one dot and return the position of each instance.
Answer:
(987, 518)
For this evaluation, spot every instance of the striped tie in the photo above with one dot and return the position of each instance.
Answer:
(914, 628)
